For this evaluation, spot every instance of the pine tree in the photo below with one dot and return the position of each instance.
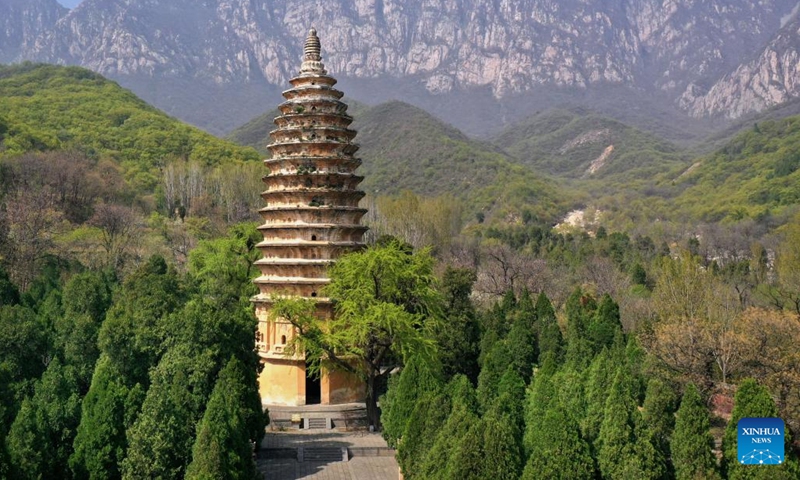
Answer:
(521, 342)
(223, 448)
(753, 400)
(558, 451)
(691, 444)
(541, 394)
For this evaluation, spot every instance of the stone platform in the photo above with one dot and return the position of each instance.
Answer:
(326, 455)
(343, 418)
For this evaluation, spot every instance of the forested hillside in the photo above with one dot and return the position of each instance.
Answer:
(405, 148)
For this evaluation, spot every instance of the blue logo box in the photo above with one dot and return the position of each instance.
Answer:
(760, 441)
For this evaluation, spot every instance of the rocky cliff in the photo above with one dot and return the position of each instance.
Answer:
(657, 47)
(22, 22)
(771, 78)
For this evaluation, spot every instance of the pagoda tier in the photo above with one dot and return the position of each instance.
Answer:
(311, 217)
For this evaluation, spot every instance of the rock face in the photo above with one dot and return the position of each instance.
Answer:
(671, 48)
(22, 22)
(772, 78)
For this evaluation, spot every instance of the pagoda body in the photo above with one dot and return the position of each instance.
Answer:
(311, 217)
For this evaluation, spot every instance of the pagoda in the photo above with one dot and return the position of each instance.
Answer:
(311, 217)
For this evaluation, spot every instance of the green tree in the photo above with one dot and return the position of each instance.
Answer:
(599, 378)
(658, 414)
(521, 339)
(108, 410)
(558, 451)
(9, 293)
(753, 401)
(616, 439)
(605, 324)
(40, 440)
(692, 443)
(502, 453)
(550, 340)
(494, 365)
(580, 308)
(458, 337)
(419, 377)
(462, 416)
(468, 461)
(160, 441)
(383, 298)
(426, 420)
(223, 448)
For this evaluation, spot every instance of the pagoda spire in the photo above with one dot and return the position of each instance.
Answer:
(312, 60)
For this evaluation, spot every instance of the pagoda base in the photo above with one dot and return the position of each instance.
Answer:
(285, 382)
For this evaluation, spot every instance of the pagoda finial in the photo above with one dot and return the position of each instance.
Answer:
(312, 61)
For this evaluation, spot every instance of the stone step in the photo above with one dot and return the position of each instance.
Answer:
(316, 423)
(324, 454)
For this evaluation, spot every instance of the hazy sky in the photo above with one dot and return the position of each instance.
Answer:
(69, 3)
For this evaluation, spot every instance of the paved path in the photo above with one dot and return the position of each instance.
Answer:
(358, 468)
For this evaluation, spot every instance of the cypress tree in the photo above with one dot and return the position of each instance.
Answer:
(467, 462)
(600, 376)
(605, 324)
(462, 416)
(658, 414)
(521, 343)
(691, 444)
(580, 309)
(501, 446)
(458, 337)
(223, 447)
(101, 443)
(429, 415)
(550, 341)
(616, 439)
(541, 395)
(558, 450)
(753, 400)
(494, 365)
(40, 440)
(418, 377)
(9, 294)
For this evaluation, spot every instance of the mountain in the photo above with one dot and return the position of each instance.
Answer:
(755, 175)
(479, 64)
(22, 22)
(405, 148)
(46, 107)
(771, 78)
(582, 144)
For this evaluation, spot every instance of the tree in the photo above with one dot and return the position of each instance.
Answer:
(426, 420)
(658, 414)
(458, 337)
(600, 376)
(160, 441)
(753, 401)
(605, 324)
(108, 410)
(502, 453)
(558, 451)
(419, 377)
(40, 439)
(550, 340)
(521, 340)
(223, 448)
(616, 439)
(467, 460)
(692, 443)
(494, 365)
(383, 297)
(9, 293)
